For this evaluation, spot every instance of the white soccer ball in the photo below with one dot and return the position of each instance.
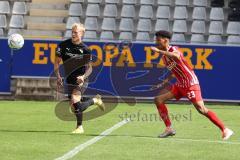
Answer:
(15, 41)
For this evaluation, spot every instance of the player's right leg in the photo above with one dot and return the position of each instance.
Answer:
(163, 113)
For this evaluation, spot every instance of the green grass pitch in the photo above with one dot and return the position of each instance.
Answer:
(31, 131)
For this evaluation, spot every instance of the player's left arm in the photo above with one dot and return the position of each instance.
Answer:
(174, 54)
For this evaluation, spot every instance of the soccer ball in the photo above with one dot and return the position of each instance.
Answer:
(15, 41)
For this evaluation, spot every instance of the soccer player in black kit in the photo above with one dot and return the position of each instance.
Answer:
(76, 57)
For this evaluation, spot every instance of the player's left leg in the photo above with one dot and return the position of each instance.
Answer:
(195, 97)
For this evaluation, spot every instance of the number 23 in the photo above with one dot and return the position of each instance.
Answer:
(191, 95)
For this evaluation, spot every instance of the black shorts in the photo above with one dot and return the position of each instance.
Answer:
(71, 84)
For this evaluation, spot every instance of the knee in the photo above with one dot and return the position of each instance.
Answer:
(202, 110)
(75, 97)
(158, 100)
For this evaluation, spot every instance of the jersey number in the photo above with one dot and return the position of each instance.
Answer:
(191, 95)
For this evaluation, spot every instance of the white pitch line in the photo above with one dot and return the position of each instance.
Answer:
(81, 147)
(202, 140)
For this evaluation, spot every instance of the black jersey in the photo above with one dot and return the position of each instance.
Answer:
(75, 57)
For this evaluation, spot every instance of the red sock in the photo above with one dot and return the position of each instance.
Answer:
(213, 117)
(163, 112)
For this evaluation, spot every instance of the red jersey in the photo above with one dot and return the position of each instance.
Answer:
(182, 71)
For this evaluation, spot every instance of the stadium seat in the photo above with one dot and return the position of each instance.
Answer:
(112, 1)
(109, 24)
(1, 32)
(110, 10)
(95, 1)
(164, 2)
(91, 23)
(129, 2)
(90, 35)
(71, 21)
(16, 21)
(42, 33)
(162, 24)
(199, 13)
(216, 14)
(125, 36)
(68, 33)
(197, 38)
(198, 27)
(180, 26)
(203, 3)
(233, 28)
(126, 24)
(233, 39)
(163, 12)
(75, 9)
(181, 2)
(3, 21)
(144, 25)
(215, 39)
(19, 8)
(216, 27)
(93, 10)
(147, 2)
(176, 37)
(146, 11)
(180, 12)
(142, 36)
(77, 1)
(106, 35)
(128, 11)
(14, 30)
(4, 7)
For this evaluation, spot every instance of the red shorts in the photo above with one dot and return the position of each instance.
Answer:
(193, 93)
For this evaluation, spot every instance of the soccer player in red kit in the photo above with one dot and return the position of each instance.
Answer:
(187, 85)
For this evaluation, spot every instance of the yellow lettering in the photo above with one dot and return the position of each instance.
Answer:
(53, 48)
(188, 55)
(99, 54)
(149, 57)
(202, 55)
(111, 52)
(126, 56)
(39, 54)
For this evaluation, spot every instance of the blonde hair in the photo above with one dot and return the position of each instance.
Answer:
(79, 26)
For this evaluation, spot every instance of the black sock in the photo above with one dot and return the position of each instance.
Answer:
(79, 108)
(82, 106)
(79, 119)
